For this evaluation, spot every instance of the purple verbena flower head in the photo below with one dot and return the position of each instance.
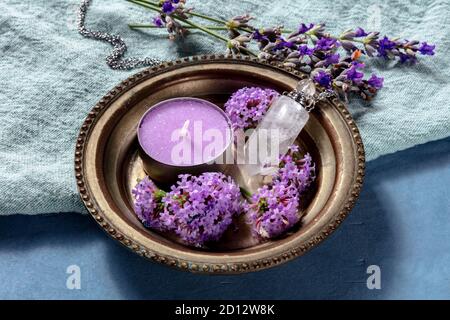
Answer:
(329, 59)
(375, 82)
(427, 49)
(273, 209)
(258, 36)
(247, 106)
(323, 79)
(148, 204)
(296, 170)
(200, 209)
(404, 58)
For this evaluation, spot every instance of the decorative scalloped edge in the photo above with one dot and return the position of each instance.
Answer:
(98, 215)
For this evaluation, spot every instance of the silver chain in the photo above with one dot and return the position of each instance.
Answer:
(309, 102)
(115, 60)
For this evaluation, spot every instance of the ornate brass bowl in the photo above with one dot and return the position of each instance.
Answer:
(107, 164)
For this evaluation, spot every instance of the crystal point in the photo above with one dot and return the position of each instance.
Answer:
(281, 125)
(306, 86)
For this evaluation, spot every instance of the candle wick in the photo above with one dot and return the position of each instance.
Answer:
(184, 129)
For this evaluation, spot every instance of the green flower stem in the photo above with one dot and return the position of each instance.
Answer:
(223, 22)
(203, 16)
(247, 194)
(215, 35)
(151, 26)
(192, 24)
(151, 7)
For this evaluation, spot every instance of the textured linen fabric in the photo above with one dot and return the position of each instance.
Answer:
(51, 77)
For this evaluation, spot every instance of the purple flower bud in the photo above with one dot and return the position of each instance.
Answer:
(323, 79)
(167, 7)
(358, 65)
(359, 32)
(427, 49)
(384, 46)
(157, 21)
(305, 51)
(332, 58)
(304, 28)
(273, 209)
(353, 74)
(370, 50)
(375, 82)
(326, 44)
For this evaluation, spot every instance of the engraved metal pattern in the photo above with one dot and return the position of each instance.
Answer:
(207, 266)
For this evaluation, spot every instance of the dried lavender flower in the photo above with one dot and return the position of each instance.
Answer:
(309, 48)
(296, 170)
(169, 10)
(323, 78)
(237, 44)
(239, 22)
(158, 22)
(427, 49)
(247, 106)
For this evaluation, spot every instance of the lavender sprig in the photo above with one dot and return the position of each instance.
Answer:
(333, 62)
(169, 10)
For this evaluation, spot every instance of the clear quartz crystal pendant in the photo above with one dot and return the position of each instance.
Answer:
(278, 130)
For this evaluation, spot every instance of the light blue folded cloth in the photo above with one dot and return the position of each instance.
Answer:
(50, 77)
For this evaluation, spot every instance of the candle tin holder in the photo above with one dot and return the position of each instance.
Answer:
(165, 174)
(107, 163)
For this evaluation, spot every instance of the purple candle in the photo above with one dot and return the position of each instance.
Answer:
(182, 135)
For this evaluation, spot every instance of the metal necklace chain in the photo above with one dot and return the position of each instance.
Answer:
(309, 102)
(115, 60)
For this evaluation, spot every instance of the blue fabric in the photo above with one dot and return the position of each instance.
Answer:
(400, 223)
(51, 77)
